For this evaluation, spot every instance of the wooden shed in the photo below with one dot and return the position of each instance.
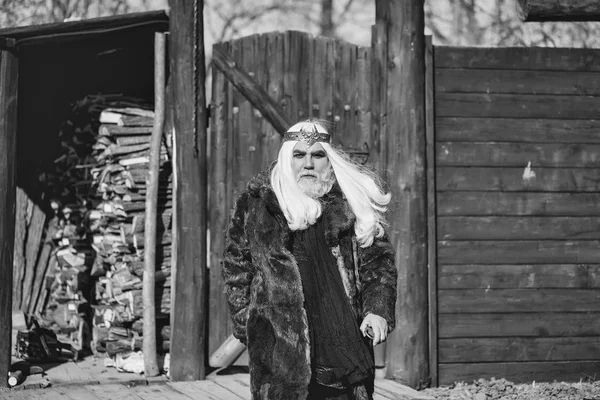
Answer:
(45, 69)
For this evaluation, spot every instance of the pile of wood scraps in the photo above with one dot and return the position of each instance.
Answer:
(117, 226)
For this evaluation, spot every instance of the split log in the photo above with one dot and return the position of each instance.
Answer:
(163, 302)
(558, 10)
(227, 353)
(116, 130)
(132, 140)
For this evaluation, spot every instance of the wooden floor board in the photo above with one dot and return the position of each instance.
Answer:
(217, 387)
(207, 389)
(237, 386)
(74, 392)
(158, 392)
(112, 391)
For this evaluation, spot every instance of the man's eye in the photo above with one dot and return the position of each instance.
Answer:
(299, 155)
(318, 155)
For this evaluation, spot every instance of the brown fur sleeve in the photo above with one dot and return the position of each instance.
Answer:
(378, 278)
(237, 268)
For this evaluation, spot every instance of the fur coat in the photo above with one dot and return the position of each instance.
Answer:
(264, 289)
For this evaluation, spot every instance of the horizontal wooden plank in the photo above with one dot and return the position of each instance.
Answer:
(512, 228)
(515, 276)
(468, 80)
(516, 106)
(518, 204)
(476, 301)
(518, 324)
(486, 154)
(512, 179)
(519, 372)
(534, 58)
(519, 252)
(514, 349)
(519, 130)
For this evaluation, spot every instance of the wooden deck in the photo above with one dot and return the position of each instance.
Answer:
(217, 387)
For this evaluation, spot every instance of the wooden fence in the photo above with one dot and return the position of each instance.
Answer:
(518, 227)
(309, 77)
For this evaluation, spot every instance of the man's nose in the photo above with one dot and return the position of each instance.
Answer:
(308, 162)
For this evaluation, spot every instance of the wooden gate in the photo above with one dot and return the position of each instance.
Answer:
(307, 77)
(518, 213)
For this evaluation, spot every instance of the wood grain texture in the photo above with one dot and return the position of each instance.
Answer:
(533, 58)
(558, 10)
(484, 105)
(189, 323)
(520, 372)
(432, 224)
(476, 301)
(511, 179)
(518, 130)
(518, 251)
(405, 148)
(513, 228)
(519, 324)
(8, 162)
(519, 276)
(220, 203)
(513, 349)
(546, 155)
(518, 204)
(469, 80)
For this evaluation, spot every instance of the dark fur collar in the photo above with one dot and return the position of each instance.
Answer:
(337, 214)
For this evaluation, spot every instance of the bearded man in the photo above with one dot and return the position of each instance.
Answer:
(309, 272)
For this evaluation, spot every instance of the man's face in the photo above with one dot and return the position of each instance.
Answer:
(312, 168)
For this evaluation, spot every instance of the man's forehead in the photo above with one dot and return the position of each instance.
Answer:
(304, 148)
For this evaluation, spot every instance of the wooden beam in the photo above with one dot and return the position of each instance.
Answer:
(148, 292)
(8, 161)
(432, 266)
(189, 309)
(405, 152)
(558, 10)
(258, 97)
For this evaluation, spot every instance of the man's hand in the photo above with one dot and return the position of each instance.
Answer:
(374, 327)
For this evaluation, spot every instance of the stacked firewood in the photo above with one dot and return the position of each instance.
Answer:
(117, 228)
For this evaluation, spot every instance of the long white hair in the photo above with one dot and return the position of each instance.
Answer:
(361, 188)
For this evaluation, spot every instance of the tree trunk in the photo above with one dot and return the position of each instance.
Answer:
(327, 28)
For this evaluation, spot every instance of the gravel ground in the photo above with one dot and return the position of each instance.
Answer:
(501, 389)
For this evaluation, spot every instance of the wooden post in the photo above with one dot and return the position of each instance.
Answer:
(558, 10)
(405, 149)
(189, 307)
(431, 209)
(8, 150)
(149, 284)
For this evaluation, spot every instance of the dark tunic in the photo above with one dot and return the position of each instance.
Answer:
(340, 356)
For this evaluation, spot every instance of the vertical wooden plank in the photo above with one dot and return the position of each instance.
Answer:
(363, 98)
(304, 89)
(378, 95)
(35, 230)
(217, 171)
(405, 146)
(8, 144)
(188, 336)
(244, 168)
(21, 222)
(323, 77)
(275, 58)
(431, 209)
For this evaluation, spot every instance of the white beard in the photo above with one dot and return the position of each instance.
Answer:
(316, 187)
